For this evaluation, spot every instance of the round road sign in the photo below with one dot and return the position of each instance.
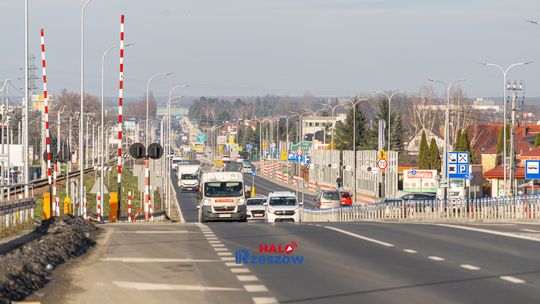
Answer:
(382, 163)
(299, 151)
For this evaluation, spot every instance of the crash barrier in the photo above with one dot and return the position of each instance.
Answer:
(15, 212)
(523, 208)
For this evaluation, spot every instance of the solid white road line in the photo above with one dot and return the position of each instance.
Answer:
(469, 267)
(240, 270)
(220, 249)
(507, 234)
(224, 254)
(435, 258)
(155, 260)
(512, 279)
(255, 288)
(365, 238)
(246, 278)
(154, 286)
(529, 230)
(410, 251)
(264, 300)
(156, 231)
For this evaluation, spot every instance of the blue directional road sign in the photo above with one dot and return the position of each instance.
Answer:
(532, 169)
(254, 173)
(457, 164)
(265, 152)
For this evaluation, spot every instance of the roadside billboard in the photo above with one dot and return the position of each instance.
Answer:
(420, 181)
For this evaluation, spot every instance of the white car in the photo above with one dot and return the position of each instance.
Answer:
(246, 168)
(282, 206)
(256, 208)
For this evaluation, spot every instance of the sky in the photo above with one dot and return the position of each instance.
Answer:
(282, 47)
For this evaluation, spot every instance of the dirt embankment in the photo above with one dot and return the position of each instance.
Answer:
(29, 267)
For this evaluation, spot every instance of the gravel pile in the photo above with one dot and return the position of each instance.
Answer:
(28, 268)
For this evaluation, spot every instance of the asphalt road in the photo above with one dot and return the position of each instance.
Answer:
(390, 262)
(342, 263)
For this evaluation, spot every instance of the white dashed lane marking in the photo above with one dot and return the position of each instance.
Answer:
(227, 259)
(469, 267)
(240, 270)
(255, 288)
(410, 251)
(264, 300)
(246, 278)
(365, 238)
(512, 279)
(436, 258)
(242, 273)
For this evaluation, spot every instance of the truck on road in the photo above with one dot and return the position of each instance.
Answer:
(222, 197)
(188, 177)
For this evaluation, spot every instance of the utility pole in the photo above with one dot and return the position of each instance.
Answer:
(514, 88)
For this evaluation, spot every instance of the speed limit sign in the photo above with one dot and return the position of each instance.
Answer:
(382, 164)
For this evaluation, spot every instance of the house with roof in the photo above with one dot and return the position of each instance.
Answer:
(486, 146)
(413, 146)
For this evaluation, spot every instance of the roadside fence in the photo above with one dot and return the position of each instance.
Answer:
(523, 207)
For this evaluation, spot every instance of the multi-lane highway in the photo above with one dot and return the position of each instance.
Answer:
(363, 262)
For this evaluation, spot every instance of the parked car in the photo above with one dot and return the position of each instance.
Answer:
(328, 199)
(246, 168)
(256, 208)
(419, 197)
(282, 206)
(346, 198)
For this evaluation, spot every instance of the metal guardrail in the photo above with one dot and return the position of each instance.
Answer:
(16, 211)
(523, 207)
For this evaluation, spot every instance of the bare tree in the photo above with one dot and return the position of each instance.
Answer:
(423, 112)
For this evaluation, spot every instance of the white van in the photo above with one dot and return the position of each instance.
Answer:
(282, 206)
(188, 177)
(222, 197)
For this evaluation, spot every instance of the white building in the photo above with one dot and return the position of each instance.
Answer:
(314, 124)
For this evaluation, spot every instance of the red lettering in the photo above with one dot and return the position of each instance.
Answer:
(263, 248)
(272, 248)
(280, 250)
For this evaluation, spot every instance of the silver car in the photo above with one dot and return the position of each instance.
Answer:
(256, 208)
(328, 199)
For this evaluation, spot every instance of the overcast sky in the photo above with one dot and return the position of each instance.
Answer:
(285, 47)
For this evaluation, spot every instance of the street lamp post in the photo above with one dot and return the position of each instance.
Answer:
(389, 97)
(354, 104)
(446, 125)
(81, 126)
(146, 135)
(102, 129)
(26, 106)
(504, 73)
(169, 143)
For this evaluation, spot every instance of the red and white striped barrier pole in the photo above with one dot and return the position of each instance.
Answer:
(46, 118)
(84, 207)
(98, 207)
(58, 206)
(54, 198)
(129, 207)
(120, 100)
(150, 206)
(146, 189)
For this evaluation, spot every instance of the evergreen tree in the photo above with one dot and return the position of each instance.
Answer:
(500, 143)
(434, 156)
(397, 132)
(458, 144)
(423, 153)
(467, 146)
(537, 140)
(345, 132)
